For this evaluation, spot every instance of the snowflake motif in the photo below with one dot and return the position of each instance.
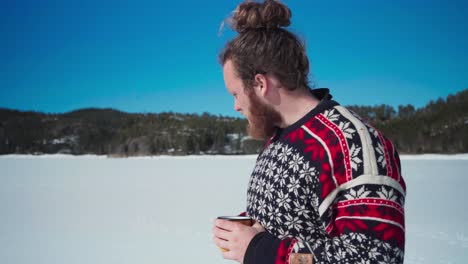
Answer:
(283, 200)
(283, 233)
(286, 151)
(293, 222)
(355, 160)
(270, 169)
(301, 210)
(261, 208)
(260, 184)
(361, 193)
(295, 162)
(347, 131)
(269, 189)
(381, 158)
(273, 213)
(307, 172)
(293, 186)
(279, 174)
(331, 115)
(386, 194)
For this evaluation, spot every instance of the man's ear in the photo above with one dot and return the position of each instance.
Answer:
(261, 88)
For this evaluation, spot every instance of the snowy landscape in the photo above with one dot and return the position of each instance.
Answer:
(94, 209)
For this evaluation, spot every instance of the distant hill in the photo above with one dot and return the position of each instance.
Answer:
(439, 127)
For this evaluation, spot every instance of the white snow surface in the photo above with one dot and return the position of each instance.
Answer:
(93, 209)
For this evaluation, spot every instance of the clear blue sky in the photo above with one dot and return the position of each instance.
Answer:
(154, 56)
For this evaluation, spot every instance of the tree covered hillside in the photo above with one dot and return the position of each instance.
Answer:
(439, 127)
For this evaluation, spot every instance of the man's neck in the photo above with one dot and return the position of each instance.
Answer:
(295, 106)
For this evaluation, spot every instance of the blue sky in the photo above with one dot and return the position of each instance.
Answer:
(154, 56)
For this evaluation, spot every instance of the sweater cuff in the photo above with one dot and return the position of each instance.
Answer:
(262, 249)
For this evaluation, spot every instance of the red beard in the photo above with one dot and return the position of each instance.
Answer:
(263, 119)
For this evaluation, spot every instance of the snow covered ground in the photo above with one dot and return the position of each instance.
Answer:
(93, 209)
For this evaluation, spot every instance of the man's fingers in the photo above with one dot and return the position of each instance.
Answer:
(220, 242)
(221, 233)
(223, 245)
(224, 224)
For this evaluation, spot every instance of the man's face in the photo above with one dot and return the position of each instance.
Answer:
(263, 119)
(235, 87)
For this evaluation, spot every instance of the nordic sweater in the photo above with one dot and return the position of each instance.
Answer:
(327, 189)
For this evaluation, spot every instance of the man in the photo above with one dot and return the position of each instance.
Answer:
(327, 187)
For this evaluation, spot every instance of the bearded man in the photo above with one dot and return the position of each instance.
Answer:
(327, 186)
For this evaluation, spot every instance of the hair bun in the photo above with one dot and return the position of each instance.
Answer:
(253, 15)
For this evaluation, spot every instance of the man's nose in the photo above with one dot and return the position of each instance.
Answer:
(236, 106)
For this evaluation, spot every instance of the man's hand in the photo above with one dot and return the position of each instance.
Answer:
(235, 237)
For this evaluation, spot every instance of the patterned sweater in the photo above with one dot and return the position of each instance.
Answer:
(328, 189)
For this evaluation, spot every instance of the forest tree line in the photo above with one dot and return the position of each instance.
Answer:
(439, 127)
